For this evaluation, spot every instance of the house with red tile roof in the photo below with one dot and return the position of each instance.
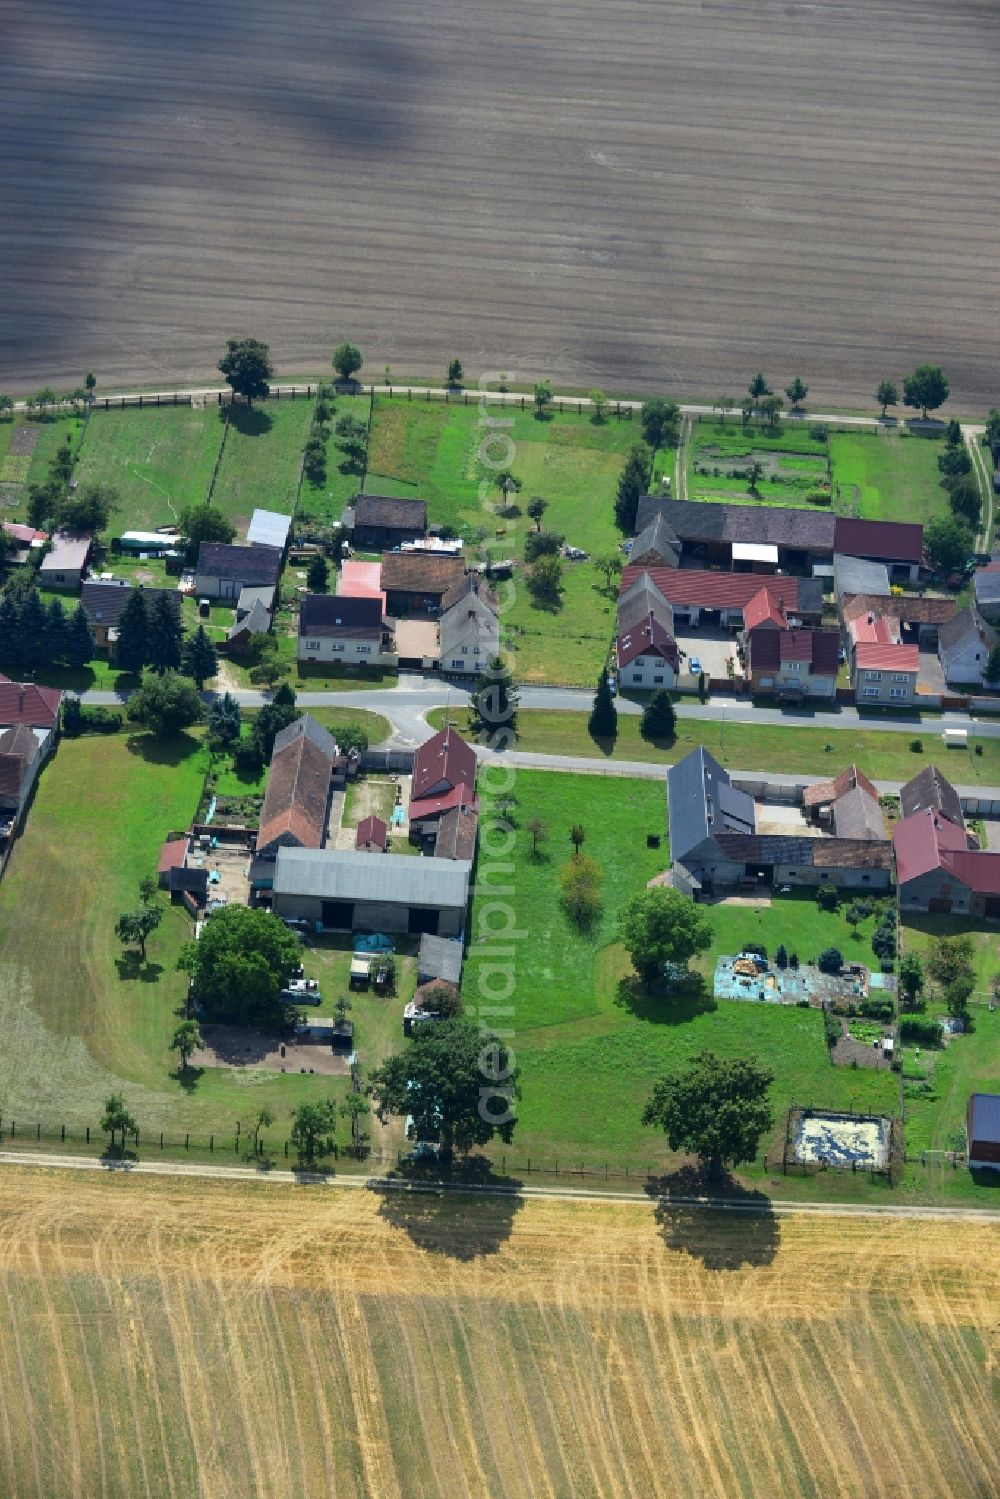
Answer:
(647, 655)
(793, 664)
(692, 592)
(938, 873)
(884, 673)
(371, 835)
(444, 776)
(299, 782)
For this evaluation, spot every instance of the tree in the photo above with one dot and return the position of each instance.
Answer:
(633, 483)
(536, 509)
(954, 462)
(926, 389)
(456, 374)
(947, 541)
(442, 998)
(542, 544)
(542, 395)
(796, 392)
(723, 405)
(137, 926)
(830, 960)
(580, 888)
(55, 639)
(746, 411)
(993, 428)
(166, 704)
(351, 737)
(953, 434)
(262, 1120)
(991, 671)
(603, 720)
(599, 404)
(90, 383)
(661, 926)
(318, 574)
(493, 708)
(199, 657)
(958, 994)
(267, 666)
(758, 388)
(89, 508)
(539, 831)
(313, 1129)
(950, 958)
(347, 360)
(225, 720)
(771, 406)
(240, 964)
(457, 1083)
(508, 484)
(755, 472)
(661, 423)
(186, 1041)
(545, 582)
(272, 718)
(577, 836)
(609, 565)
(79, 640)
(132, 649)
(911, 977)
(72, 715)
(886, 395)
(352, 437)
(716, 1107)
(6, 406)
(965, 501)
(163, 638)
(116, 1119)
(200, 523)
(246, 365)
(658, 716)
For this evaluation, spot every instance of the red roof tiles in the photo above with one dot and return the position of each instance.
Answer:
(876, 657)
(24, 702)
(710, 590)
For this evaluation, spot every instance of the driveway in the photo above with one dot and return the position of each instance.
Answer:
(930, 677)
(713, 649)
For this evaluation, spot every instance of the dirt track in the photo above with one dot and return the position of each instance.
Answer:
(666, 193)
(182, 1338)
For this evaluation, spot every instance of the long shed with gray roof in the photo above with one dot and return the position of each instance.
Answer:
(345, 890)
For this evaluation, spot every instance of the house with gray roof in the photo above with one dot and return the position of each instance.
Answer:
(469, 627)
(858, 575)
(656, 545)
(987, 587)
(223, 571)
(930, 789)
(702, 804)
(63, 565)
(342, 890)
(964, 646)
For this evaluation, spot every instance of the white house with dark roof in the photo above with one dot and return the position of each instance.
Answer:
(223, 571)
(964, 646)
(333, 627)
(469, 627)
(63, 565)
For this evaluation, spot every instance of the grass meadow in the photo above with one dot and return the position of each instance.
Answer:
(889, 474)
(262, 459)
(159, 458)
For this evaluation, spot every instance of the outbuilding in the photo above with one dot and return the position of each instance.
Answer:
(341, 890)
(982, 1126)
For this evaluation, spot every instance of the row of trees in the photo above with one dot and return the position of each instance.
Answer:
(924, 391)
(659, 717)
(35, 635)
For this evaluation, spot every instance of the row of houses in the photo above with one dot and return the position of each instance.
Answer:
(721, 840)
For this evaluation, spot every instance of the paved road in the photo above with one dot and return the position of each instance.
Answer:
(558, 1194)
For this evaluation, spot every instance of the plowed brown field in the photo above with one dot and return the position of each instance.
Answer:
(183, 1338)
(654, 193)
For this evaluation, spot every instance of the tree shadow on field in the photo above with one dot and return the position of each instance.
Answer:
(744, 1232)
(665, 1004)
(188, 1077)
(155, 749)
(131, 968)
(249, 421)
(455, 1225)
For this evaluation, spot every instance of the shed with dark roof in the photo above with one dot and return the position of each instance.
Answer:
(382, 522)
(223, 571)
(419, 580)
(982, 1128)
(930, 789)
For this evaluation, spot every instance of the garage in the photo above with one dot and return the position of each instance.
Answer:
(423, 921)
(938, 905)
(338, 915)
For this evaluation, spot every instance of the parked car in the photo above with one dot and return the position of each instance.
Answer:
(694, 666)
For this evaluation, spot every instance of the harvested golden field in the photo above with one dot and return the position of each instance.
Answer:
(174, 1337)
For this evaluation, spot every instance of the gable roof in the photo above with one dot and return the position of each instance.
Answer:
(683, 586)
(394, 879)
(421, 572)
(806, 853)
(764, 608)
(859, 575)
(360, 580)
(391, 512)
(882, 540)
(456, 834)
(424, 807)
(930, 789)
(439, 958)
(172, 854)
(246, 564)
(446, 757)
(656, 542)
(308, 728)
(256, 622)
(649, 638)
(68, 552)
(984, 1118)
(472, 583)
(269, 528)
(25, 702)
(907, 608)
(874, 629)
(822, 792)
(25, 534)
(701, 803)
(857, 814)
(641, 599)
(104, 602)
(819, 649)
(19, 740)
(876, 657)
(371, 830)
(967, 627)
(920, 842)
(339, 615)
(298, 787)
(770, 525)
(986, 581)
(976, 868)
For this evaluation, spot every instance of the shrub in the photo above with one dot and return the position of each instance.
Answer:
(541, 544)
(876, 1009)
(580, 885)
(827, 897)
(781, 956)
(920, 1029)
(818, 432)
(917, 746)
(831, 960)
(793, 960)
(831, 1027)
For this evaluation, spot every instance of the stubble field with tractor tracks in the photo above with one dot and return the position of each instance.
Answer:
(178, 1337)
(661, 194)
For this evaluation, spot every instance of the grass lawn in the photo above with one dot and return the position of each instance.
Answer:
(261, 459)
(430, 449)
(77, 1021)
(325, 502)
(796, 751)
(888, 474)
(588, 1048)
(159, 458)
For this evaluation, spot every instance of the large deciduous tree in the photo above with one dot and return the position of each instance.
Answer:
(458, 1083)
(240, 964)
(948, 542)
(347, 359)
(662, 926)
(661, 423)
(926, 389)
(313, 1128)
(715, 1107)
(246, 365)
(165, 703)
(200, 523)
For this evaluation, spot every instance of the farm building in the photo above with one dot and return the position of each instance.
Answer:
(418, 581)
(381, 522)
(63, 566)
(655, 546)
(223, 571)
(982, 1128)
(938, 873)
(360, 580)
(371, 835)
(439, 958)
(855, 575)
(929, 788)
(920, 619)
(694, 593)
(342, 890)
(148, 543)
(269, 528)
(849, 804)
(297, 800)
